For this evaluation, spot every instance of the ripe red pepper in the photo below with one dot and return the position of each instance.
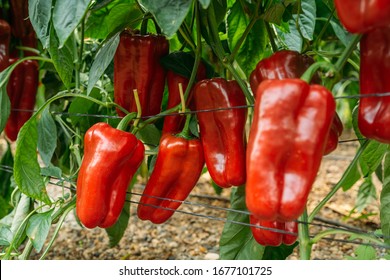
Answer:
(137, 66)
(22, 90)
(222, 131)
(360, 16)
(374, 112)
(175, 124)
(168, 185)
(286, 143)
(5, 38)
(268, 237)
(111, 158)
(20, 22)
(287, 64)
(284, 64)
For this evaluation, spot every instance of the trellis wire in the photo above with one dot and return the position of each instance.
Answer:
(326, 224)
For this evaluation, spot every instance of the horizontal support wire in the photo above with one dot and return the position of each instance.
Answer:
(324, 223)
(357, 96)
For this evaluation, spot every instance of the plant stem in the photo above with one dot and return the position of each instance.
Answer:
(348, 171)
(68, 208)
(304, 238)
(271, 37)
(219, 51)
(347, 53)
(362, 236)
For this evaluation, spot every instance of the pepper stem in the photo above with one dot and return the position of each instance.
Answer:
(185, 133)
(309, 73)
(139, 108)
(125, 121)
(182, 99)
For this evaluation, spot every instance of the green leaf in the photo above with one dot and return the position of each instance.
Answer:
(169, 14)
(301, 26)
(62, 57)
(253, 48)
(385, 200)
(26, 167)
(102, 59)
(205, 3)
(344, 36)
(38, 227)
(179, 62)
(237, 242)
(85, 107)
(5, 235)
(47, 136)
(66, 16)
(112, 19)
(307, 19)
(372, 157)
(21, 212)
(278, 253)
(116, 232)
(274, 14)
(149, 135)
(5, 107)
(40, 15)
(364, 252)
(51, 171)
(6, 164)
(366, 194)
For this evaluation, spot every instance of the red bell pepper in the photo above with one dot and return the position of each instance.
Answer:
(374, 112)
(5, 38)
(111, 158)
(222, 131)
(287, 64)
(175, 124)
(137, 66)
(360, 16)
(286, 143)
(178, 167)
(268, 237)
(22, 90)
(284, 64)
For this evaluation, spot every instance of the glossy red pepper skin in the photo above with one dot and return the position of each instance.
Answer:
(287, 64)
(22, 90)
(374, 112)
(175, 124)
(286, 143)
(360, 16)
(178, 167)
(5, 38)
(137, 66)
(267, 237)
(284, 64)
(111, 158)
(20, 22)
(222, 131)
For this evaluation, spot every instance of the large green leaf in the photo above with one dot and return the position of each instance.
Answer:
(237, 242)
(66, 16)
(47, 136)
(253, 48)
(169, 14)
(7, 161)
(40, 15)
(113, 18)
(38, 227)
(102, 59)
(26, 167)
(385, 200)
(5, 107)
(301, 26)
(63, 57)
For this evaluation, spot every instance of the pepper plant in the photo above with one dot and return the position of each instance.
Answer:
(128, 88)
